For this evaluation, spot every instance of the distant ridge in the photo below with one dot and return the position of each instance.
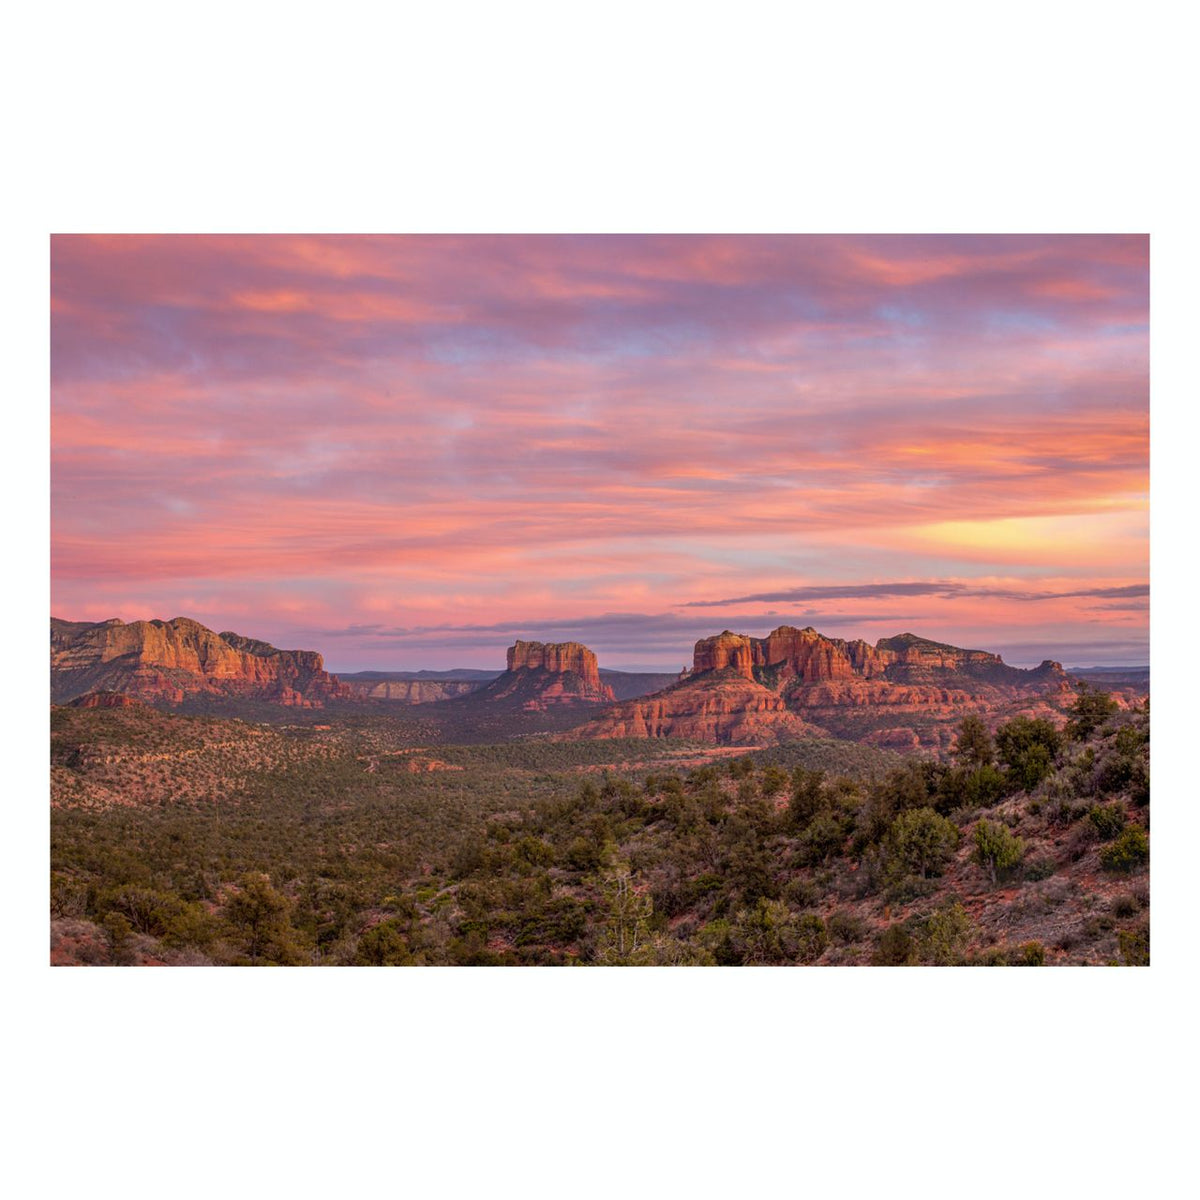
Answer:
(168, 662)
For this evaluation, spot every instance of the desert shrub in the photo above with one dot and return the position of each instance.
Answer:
(961, 787)
(384, 945)
(845, 928)
(943, 935)
(1090, 710)
(584, 854)
(822, 839)
(802, 893)
(1139, 783)
(259, 917)
(747, 789)
(811, 937)
(993, 956)
(920, 842)
(983, 787)
(739, 768)
(808, 795)
(562, 920)
(975, 748)
(764, 933)
(773, 780)
(896, 948)
(1115, 773)
(192, 925)
(1027, 747)
(1128, 852)
(1107, 819)
(148, 910)
(1037, 869)
(997, 848)
(1061, 812)
(472, 951)
(67, 898)
(535, 852)
(1028, 954)
(1125, 906)
(1134, 945)
(117, 931)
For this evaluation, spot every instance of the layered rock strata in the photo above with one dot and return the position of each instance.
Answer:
(796, 679)
(171, 661)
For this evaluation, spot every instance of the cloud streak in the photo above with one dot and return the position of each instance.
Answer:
(309, 432)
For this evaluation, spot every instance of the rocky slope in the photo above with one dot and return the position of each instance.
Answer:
(904, 691)
(167, 662)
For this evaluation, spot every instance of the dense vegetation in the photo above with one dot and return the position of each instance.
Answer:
(341, 846)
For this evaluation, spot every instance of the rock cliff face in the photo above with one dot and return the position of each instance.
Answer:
(170, 661)
(558, 658)
(797, 680)
(541, 674)
(414, 691)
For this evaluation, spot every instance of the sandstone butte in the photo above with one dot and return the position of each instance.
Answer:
(171, 661)
(796, 681)
(540, 674)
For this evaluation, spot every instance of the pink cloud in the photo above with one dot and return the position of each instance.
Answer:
(311, 429)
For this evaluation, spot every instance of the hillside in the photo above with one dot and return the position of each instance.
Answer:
(346, 846)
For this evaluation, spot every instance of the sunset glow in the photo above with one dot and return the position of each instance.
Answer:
(405, 452)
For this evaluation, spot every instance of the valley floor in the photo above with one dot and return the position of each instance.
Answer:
(367, 839)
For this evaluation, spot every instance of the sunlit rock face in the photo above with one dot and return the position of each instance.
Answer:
(797, 682)
(541, 674)
(170, 661)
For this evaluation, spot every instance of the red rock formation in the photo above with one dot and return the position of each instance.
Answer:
(798, 680)
(414, 691)
(559, 658)
(726, 652)
(168, 661)
(707, 709)
(540, 674)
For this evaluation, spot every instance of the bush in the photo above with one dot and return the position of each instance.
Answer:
(384, 945)
(117, 930)
(975, 748)
(1108, 819)
(774, 780)
(1115, 774)
(1030, 954)
(1135, 946)
(808, 795)
(896, 948)
(1089, 712)
(584, 855)
(1027, 747)
(822, 839)
(845, 928)
(997, 848)
(944, 934)
(1037, 869)
(920, 842)
(811, 938)
(1128, 852)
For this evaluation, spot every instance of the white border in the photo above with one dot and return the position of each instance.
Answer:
(538, 117)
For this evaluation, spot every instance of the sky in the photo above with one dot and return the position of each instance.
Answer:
(408, 451)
